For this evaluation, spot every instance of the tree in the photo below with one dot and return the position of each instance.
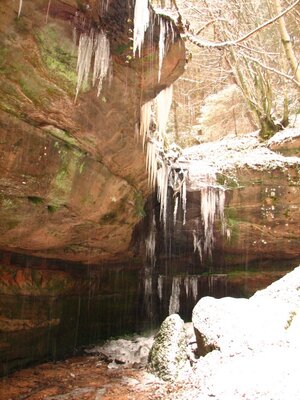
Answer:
(253, 49)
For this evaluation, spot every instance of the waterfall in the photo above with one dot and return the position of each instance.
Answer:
(94, 44)
(174, 304)
(141, 23)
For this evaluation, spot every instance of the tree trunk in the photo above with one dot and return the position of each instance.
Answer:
(287, 44)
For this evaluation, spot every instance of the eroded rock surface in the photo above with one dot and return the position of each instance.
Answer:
(73, 179)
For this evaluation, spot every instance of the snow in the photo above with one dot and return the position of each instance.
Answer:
(232, 153)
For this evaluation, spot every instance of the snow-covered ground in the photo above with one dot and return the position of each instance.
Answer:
(234, 152)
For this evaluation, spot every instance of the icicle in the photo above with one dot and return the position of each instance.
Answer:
(160, 283)
(148, 286)
(20, 7)
(197, 245)
(141, 23)
(174, 304)
(175, 210)
(161, 45)
(102, 60)
(187, 286)
(150, 242)
(145, 120)
(90, 45)
(194, 286)
(151, 164)
(163, 103)
(162, 179)
(183, 197)
(85, 53)
(212, 203)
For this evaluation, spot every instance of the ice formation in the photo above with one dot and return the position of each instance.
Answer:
(141, 23)
(191, 286)
(160, 282)
(174, 304)
(165, 27)
(178, 184)
(150, 242)
(162, 38)
(102, 60)
(94, 44)
(212, 205)
(20, 7)
(151, 164)
(197, 244)
(163, 106)
(145, 120)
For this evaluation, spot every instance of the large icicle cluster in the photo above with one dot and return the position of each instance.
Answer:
(212, 203)
(212, 206)
(157, 167)
(93, 46)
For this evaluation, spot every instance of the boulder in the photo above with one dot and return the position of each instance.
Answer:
(168, 354)
(234, 326)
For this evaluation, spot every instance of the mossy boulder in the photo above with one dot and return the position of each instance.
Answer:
(168, 354)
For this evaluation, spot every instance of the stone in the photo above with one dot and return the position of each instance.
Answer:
(233, 326)
(168, 354)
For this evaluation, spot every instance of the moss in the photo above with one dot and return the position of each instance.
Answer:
(108, 218)
(52, 208)
(35, 199)
(139, 205)
(57, 55)
(62, 135)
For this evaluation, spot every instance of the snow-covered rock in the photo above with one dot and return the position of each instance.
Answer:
(168, 355)
(269, 318)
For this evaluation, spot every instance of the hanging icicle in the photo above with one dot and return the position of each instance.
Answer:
(102, 60)
(162, 179)
(20, 8)
(151, 164)
(161, 45)
(145, 120)
(163, 106)
(92, 45)
(212, 204)
(174, 304)
(160, 283)
(141, 23)
(150, 242)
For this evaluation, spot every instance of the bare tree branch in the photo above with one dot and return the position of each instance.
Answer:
(276, 71)
(219, 45)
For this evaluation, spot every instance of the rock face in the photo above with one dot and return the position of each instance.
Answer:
(242, 206)
(73, 179)
(168, 354)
